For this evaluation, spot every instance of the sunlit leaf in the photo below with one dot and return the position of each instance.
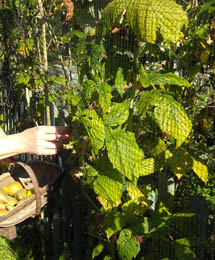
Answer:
(118, 115)
(120, 83)
(89, 88)
(109, 189)
(136, 195)
(124, 153)
(127, 246)
(97, 250)
(57, 80)
(180, 161)
(154, 145)
(154, 78)
(94, 127)
(114, 221)
(147, 166)
(22, 78)
(105, 96)
(200, 170)
(147, 19)
(169, 114)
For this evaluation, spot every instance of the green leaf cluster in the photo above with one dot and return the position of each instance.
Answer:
(147, 19)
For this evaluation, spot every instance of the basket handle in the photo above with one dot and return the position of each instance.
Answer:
(31, 173)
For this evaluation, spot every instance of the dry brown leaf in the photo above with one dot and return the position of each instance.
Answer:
(69, 10)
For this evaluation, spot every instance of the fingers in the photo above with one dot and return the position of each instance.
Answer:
(44, 140)
(45, 152)
(57, 137)
(54, 129)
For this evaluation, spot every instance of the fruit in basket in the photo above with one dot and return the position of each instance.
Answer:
(3, 211)
(12, 188)
(11, 201)
(2, 205)
(3, 195)
(21, 194)
(9, 207)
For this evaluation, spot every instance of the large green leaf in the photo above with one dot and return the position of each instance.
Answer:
(181, 160)
(118, 115)
(105, 96)
(89, 88)
(154, 78)
(94, 127)
(114, 221)
(108, 189)
(124, 153)
(169, 114)
(147, 18)
(172, 119)
(127, 246)
(113, 14)
(147, 166)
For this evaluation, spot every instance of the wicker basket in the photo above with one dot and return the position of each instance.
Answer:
(34, 174)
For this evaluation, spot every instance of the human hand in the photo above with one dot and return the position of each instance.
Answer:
(43, 140)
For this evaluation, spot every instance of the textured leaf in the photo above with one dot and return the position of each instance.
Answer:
(136, 195)
(105, 167)
(154, 78)
(94, 127)
(172, 119)
(144, 78)
(201, 170)
(91, 171)
(137, 203)
(90, 174)
(57, 80)
(180, 161)
(120, 83)
(147, 100)
(127, 246)
(124, 153)
(105, 96)
(113, 15)
(147, 166)
(108, 189)
(105, 203)
(154, 145)
(22, 78)
(169, 114)
(97, 250)
(147, 18)
(114, 221)
(89, 88)
(183, 250)
(118, 115)
(6, 252)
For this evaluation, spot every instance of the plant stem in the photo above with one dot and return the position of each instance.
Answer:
(134, 85)
(45, 62)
